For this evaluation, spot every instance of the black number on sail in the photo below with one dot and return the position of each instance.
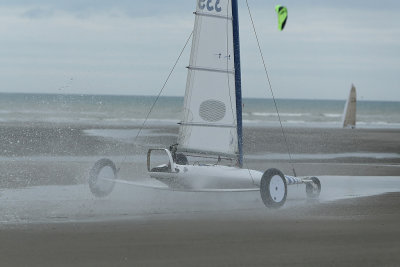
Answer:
(209, 5)
(201, 4)
(217, 7)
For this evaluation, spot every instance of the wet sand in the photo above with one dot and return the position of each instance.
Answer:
(61, 140)
(352, 232)
(56, 154)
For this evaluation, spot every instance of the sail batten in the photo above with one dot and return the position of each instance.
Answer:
(199, 124)
(209, 120)
(210, 69)
(211, 15)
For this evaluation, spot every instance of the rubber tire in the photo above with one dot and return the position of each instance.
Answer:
(311, 193)
(181, 159)
(94, 175)
(265, 191)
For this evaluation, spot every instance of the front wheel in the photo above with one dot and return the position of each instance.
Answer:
(313, 189)
(102, 178)
(273, 188)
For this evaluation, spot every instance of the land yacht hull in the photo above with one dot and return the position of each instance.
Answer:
(202, 177)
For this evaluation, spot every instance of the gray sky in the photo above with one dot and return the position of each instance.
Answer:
(128, 47)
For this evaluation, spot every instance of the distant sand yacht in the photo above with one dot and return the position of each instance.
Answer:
(349, 113)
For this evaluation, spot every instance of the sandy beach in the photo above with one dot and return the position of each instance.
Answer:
(49, 217)
(356, 232)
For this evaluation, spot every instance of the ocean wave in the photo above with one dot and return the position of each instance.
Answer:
(270, 114)
(89, 121)
(96, 119)
(332, 115)
(291, 121)
(381, 122)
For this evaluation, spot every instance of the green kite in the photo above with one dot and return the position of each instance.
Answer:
(282, 16)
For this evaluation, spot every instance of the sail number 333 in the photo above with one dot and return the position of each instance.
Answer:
(210, 5)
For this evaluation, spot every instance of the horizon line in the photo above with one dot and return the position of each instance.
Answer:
(179, 96)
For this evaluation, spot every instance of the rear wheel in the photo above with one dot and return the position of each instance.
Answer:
(102, 178)
(313, 189)
(273, 188)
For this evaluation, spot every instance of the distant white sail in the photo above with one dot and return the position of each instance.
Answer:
(209, 121)
(349, 113)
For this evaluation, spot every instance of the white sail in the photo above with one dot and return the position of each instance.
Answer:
(349, 113)
(209, 122)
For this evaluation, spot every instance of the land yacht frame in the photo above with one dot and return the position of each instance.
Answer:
(212, 112)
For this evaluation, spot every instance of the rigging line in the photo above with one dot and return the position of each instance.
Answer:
(159, 94)
(270, 87)
(247, 167)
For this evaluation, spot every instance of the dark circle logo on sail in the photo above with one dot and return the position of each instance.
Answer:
(212, 110)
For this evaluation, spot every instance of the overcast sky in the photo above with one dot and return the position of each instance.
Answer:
(129, 46)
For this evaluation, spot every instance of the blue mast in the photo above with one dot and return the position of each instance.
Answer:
(238, 83)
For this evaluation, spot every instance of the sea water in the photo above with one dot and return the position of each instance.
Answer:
(108, 110)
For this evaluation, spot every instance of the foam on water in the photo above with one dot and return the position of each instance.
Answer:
(264, 114)
(123, 135)
(332, 115)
